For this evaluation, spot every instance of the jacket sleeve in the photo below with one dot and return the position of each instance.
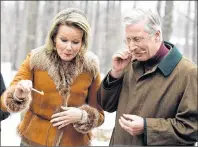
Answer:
(95, 114)
(183, 129)
(2, 88)
(108, 93)
(8, 103)
(3, 115)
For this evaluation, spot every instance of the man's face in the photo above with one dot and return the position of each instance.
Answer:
(141, 44)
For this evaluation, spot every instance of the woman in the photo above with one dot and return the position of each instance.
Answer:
(69, 77)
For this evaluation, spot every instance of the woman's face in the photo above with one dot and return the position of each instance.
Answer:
(68, 42)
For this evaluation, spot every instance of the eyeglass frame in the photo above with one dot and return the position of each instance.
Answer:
(140, 37)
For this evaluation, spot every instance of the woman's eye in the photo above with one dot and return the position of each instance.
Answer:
(63, 40)
(75, 42)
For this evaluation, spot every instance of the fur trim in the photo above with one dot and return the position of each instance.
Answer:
(63, 73)
(92, 120)
(28, 142)
(13, 105)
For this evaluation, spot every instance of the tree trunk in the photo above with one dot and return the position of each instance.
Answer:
(14, 53)
(96, 39)
(47, 16)
(194, 57)
(168, 20)
(134, 4)
(159, 3)
(31, 24)
(186, 50)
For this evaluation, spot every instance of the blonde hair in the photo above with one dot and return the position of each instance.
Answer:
(69, 17)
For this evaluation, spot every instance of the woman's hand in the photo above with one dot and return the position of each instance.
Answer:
(23, 89)
(67, 116)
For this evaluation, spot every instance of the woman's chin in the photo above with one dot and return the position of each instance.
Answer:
(66, 58)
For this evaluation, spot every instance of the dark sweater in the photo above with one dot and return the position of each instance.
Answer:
(3, 115)
(161, 53)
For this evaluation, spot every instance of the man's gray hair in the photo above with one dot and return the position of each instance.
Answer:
(151, 19)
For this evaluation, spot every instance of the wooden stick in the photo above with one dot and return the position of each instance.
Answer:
(40, 92)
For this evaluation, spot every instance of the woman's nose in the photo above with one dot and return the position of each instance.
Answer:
(68, 46)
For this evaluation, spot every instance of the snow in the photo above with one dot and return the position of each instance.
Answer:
(9, 135)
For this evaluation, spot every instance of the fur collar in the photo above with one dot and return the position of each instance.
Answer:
(63, 73)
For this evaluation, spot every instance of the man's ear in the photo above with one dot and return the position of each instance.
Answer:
(157, 35)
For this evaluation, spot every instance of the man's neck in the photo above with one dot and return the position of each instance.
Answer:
(160, 54)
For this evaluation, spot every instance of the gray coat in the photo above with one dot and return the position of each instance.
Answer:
(166, 97)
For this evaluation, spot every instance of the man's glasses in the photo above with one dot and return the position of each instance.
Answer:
(136, 40)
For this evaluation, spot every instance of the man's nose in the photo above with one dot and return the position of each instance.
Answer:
(132, 45)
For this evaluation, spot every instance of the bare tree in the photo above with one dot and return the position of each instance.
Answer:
(86, 7)
(159, 4)
(187, 27)
(134, 4)
(47, 15)
(31, 24)
(58, 6)
(168, 20)
(96, 31)
(194, 58)
(16, 40)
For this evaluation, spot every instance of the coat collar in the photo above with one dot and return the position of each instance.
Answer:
(168, 64)
(63, 73)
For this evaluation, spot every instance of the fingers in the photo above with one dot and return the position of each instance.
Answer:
(61, 123)
(127, 126)
(60, 114)
(60, 119)
(56, 119)
(63, 113)
(25, 85)
(130, 117)
(122, 55)
(125, 122)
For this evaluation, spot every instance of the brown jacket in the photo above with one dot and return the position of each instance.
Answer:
(166, 97)
(74, 84)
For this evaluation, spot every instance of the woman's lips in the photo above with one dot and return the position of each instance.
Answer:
(67, 54)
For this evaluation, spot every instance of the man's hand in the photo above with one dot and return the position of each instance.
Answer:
(67, 116)
(120, 60)
(133, 124)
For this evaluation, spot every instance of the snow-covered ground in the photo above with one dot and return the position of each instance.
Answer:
(8, 126)
(9, 136)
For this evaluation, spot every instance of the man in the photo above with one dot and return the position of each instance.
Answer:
(151, 86)
(3, 115)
